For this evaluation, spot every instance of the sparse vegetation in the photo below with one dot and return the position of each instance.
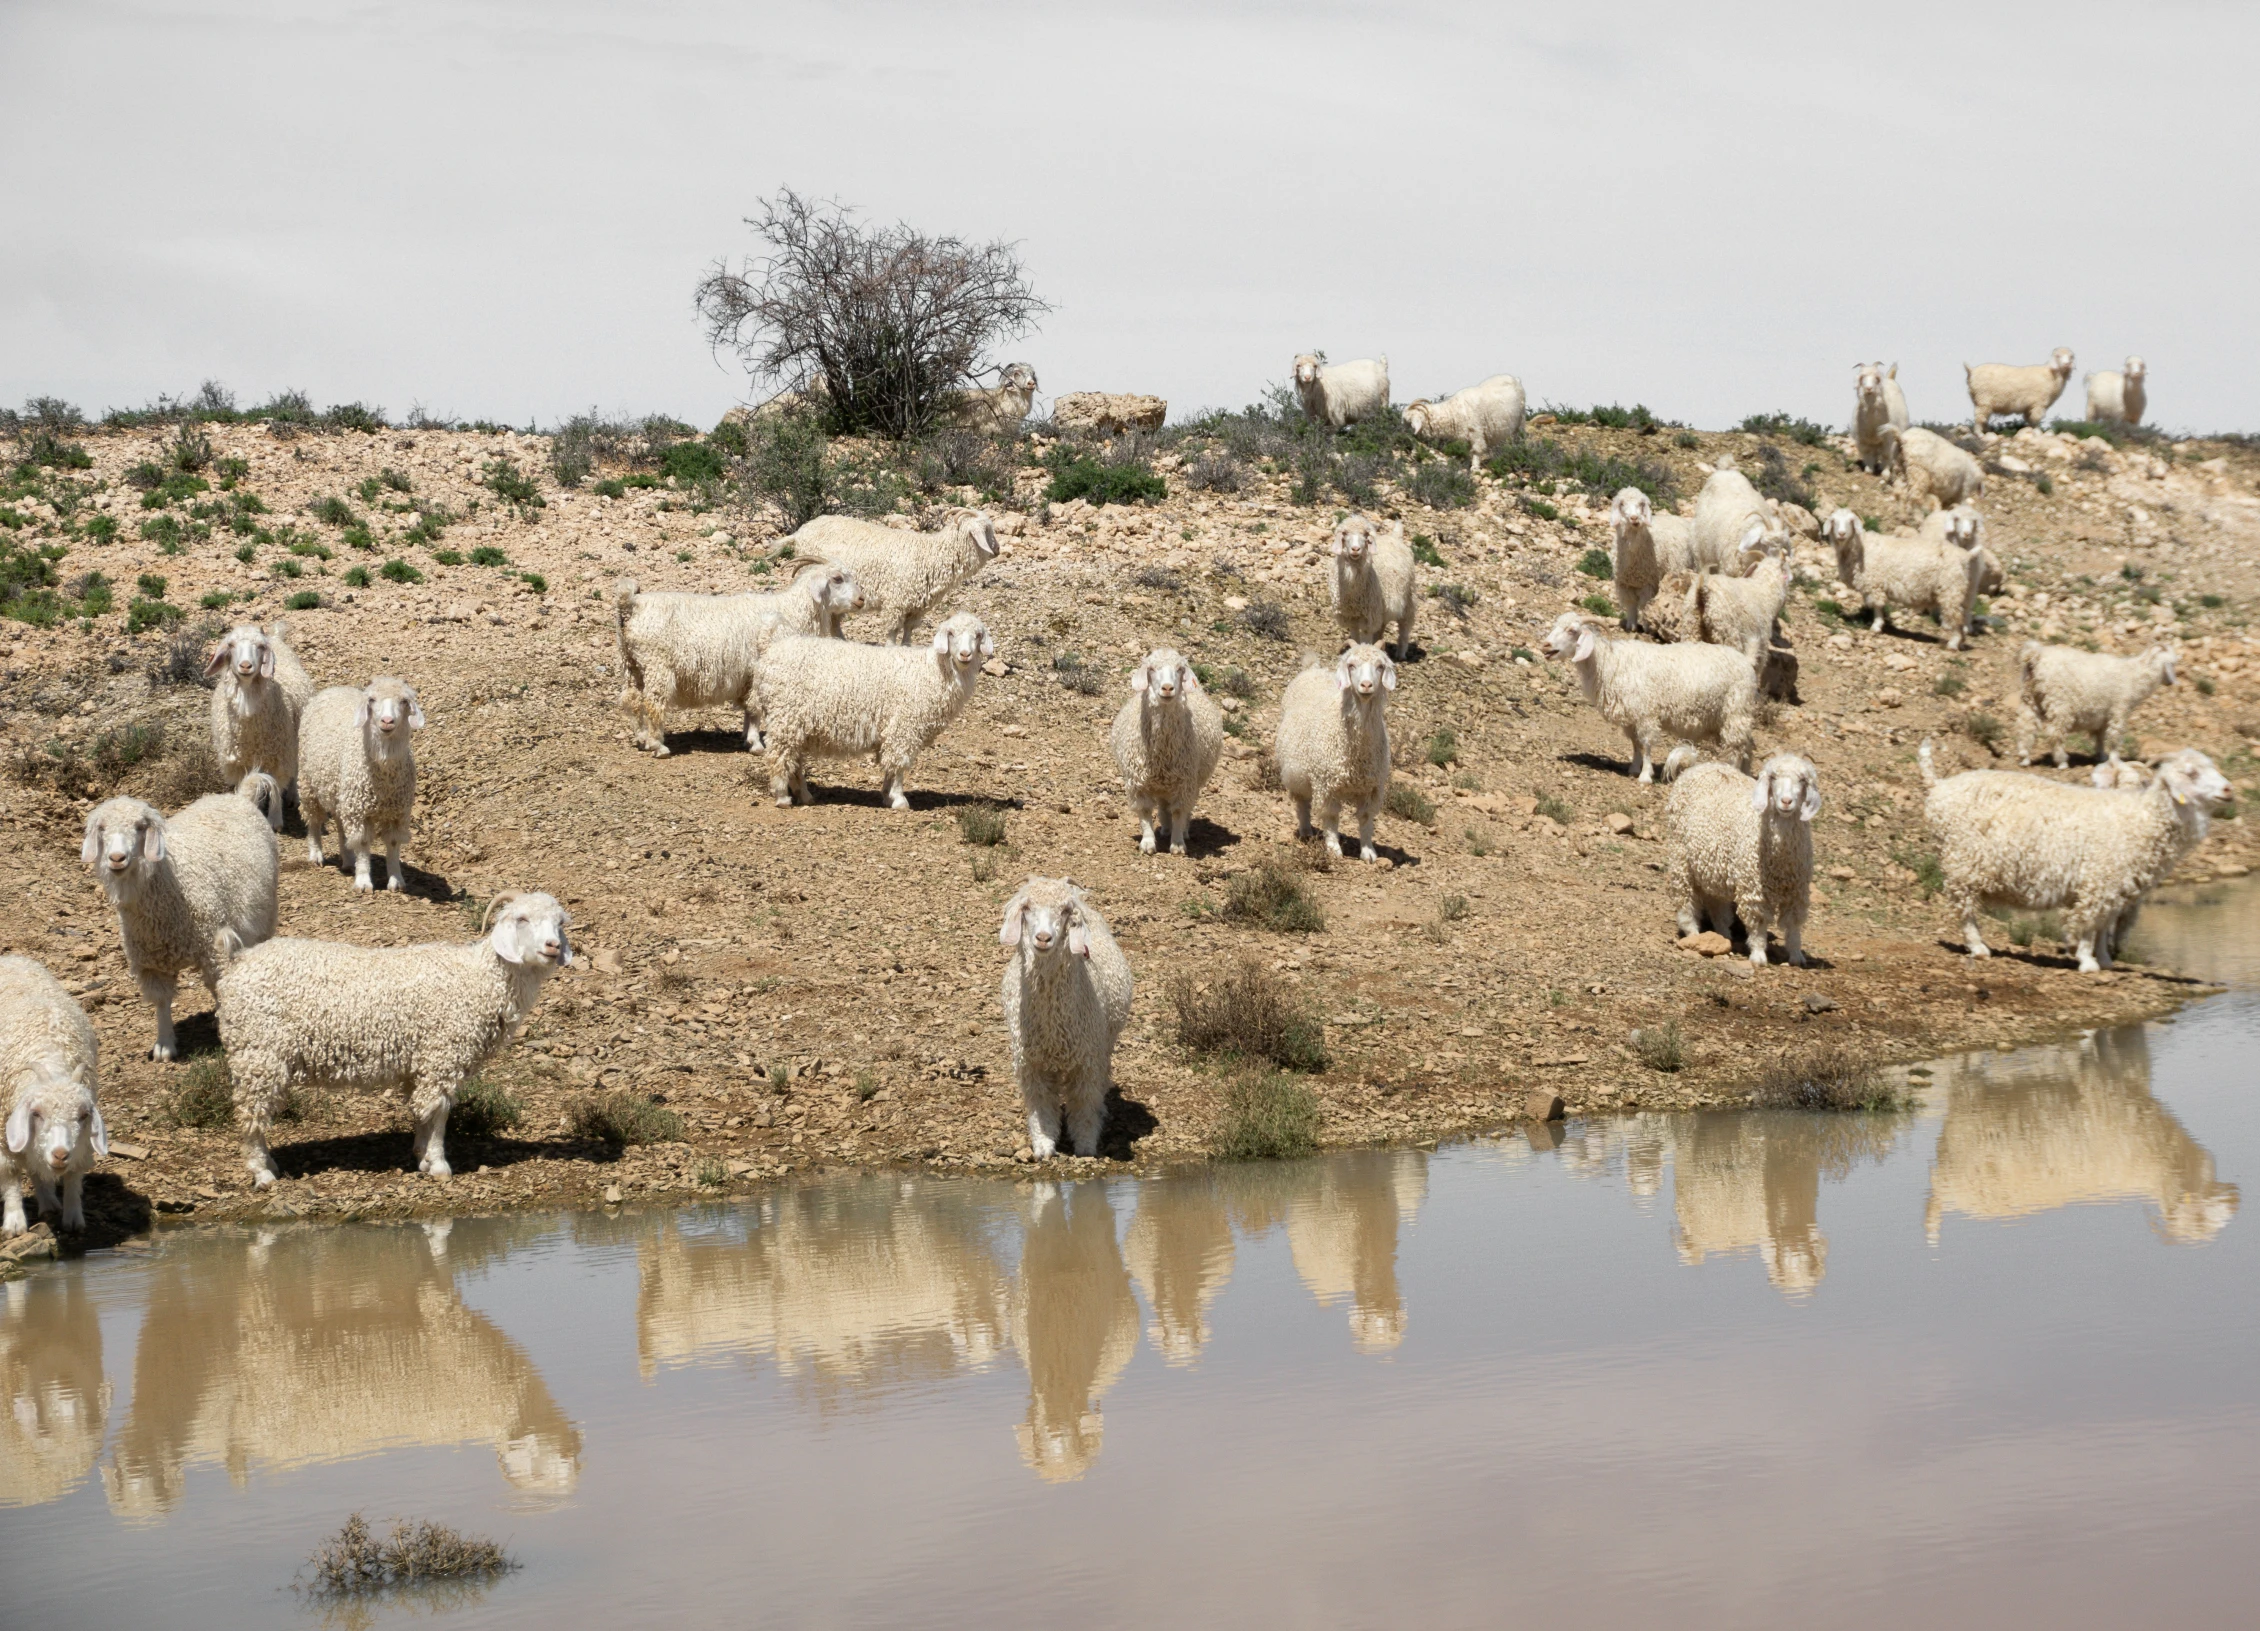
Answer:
(484, 1109)
(354, 1562)
(1595, 563)
(981, 824)
(619, 1118)
(513, 486)
(1409, 803)
(204, 1097)
(1267, 897)
(1267, 620)
(1267, 1117)
(1801, 431)
(1828, 1076)
(1249, 1015)
(1443, 747)
(1660, 1047)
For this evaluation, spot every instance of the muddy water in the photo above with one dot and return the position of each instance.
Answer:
(1994, 1361)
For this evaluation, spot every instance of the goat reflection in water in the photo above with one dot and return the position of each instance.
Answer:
(2071, 1127)
(851, 1287)
(52, 1390)
(318, 1344)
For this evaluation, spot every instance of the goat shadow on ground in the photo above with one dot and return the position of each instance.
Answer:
(1396, 857)
(708, 741)
(195, 1036)
(1596, 761)
(1203, 838)
(415, 882)
(921, 799)
(114, 1213)
(1127, 1121)
(393, 1153)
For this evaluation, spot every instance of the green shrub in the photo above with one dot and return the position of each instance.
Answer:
(488, 555)
(396, 480)
(333, 511)
(619, 1118)
(289, 569)
(693, 462)
(1441, 485)
(1660, 1047)
(534, 581)
(1458, 598)
(981, 824)
(305, 600)
(502, 477)
(1269, 898)
(1802, 431)
(93, 593)
(203, 1096)
(151, 614)
(483, 1110)
(1424, 550)
(357, 577)
(1247, 1014)
(368, 490)
(1265, 1118)
(1595, 563)
(1925, 865)
(1409, 803)
(448, 557)
(1540, 508)
(1985, 729)
(1554, 810)
(1443, 747)
(397, 570)
(1080, 475)
(1599, 605)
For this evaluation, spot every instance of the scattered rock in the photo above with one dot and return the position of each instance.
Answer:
(606, 961)
(1108, 413)
(1709, 943)
(1620, 823)
(1815, 1003)
(1542, 1104)
(611, 1194)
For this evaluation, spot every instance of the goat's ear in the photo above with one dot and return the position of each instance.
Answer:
(1138, 678)
(1587, 641)
(266, 661)
(1761, 792)
(415, 710)
(1342, 672)
(361, 713)
(1388, 675)
(219, 658)
(1078, 933)
(941, 642)
(153, 839)
(508, 941)
(90, 849)
(486, 918)
(1008, 934)
(101, 1135)
(1812, 805)
(988, 644)
(19, 1127)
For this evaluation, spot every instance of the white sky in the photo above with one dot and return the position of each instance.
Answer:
(498, 208)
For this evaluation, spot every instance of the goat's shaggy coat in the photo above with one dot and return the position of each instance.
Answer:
(423, 1018)
(359, 768)
(49, 1075)
(1486, 417)
(1932, 468)
(1650, 550)
(1695, 692)
(1725, 510)
(1166, 740)
(699, 651)
(1341, 393)
(1333, 743)
(2006, 838)
(1733, 845)
(260, 691)
(1739, 613)
(996, 409)
(1373, 584)
(190, 891)
(1915, 574)
(2061, 690)
(1877, 401)
(904, 575)
(836, 699)
(2005, 388)
(1066, 998)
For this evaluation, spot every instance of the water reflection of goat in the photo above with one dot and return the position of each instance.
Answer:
(1075, 1323)
(2067, 1127)
(55, 1400)
(316, 1345)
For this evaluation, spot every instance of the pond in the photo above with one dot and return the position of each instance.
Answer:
(1996, 1360)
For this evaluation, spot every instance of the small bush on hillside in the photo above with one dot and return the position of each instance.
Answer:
(1595, 563)
(1265, 1118)
(981, 824)
(513, 486)
(203, 1097)
(1080, 475)
(1409, 803)
(1441, 486)
(1801, 431)
(1267, 620)
(1246, 1014)
(1269, 898)
(619, 1118)
(1825, 1077)
(484, 1110)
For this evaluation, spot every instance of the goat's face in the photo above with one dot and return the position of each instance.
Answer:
(1962, 528)
(120, 833)
(1631, 508)
(389, 710)
(1841, 529)
(2135, 369)
(1163, 676)
(529, 930)
(1050, 916)
(2192, 779)
(1306, 369)
(2060, 361)
(1789, 787)
(2167, 660)
(247, 651)
(63, 1122)
(1353, 538)
(1571, 637)
(1416, 419)
(835, 589)
(983, 531)
(963, 641)
(1869, 382)
(1020, 377)
(1364, 671)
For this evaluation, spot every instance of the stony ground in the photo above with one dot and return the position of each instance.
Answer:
(818, 986)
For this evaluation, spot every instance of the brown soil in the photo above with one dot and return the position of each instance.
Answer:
(817, 986)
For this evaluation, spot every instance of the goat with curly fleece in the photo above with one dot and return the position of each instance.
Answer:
(2061, 690)
(840, 700)
(359, 769)
(1916, 574)
(1333, 743)
(1964, 528)
(1695, 692)
(1372, 584)
(49, 1074)
(190, 891)
(1740, 612)
(698, 651)
(1733, 845)
(2010, 839)
(1339, 394)
(259, 692)
(423, 1018)
(1066, 998)
(1166, 741)
(1877, 401)
(1486, 417)
(997, 409)
(903, 575)
(2119, 396)
(2005, 388)
(1650, 549)
(1724, 512)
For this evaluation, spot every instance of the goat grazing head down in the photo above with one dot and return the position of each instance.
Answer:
(1788, 786)
(1417, 417)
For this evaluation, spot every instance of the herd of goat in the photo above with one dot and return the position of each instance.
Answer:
(197, 890)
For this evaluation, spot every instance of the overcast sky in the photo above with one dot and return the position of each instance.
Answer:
(498, 208)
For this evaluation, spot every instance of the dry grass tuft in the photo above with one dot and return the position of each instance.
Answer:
(1269, 898)
(354, 1560)
(1248, 1014)
(1828, 1076)
(1266, 1118)
(620, 1118)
